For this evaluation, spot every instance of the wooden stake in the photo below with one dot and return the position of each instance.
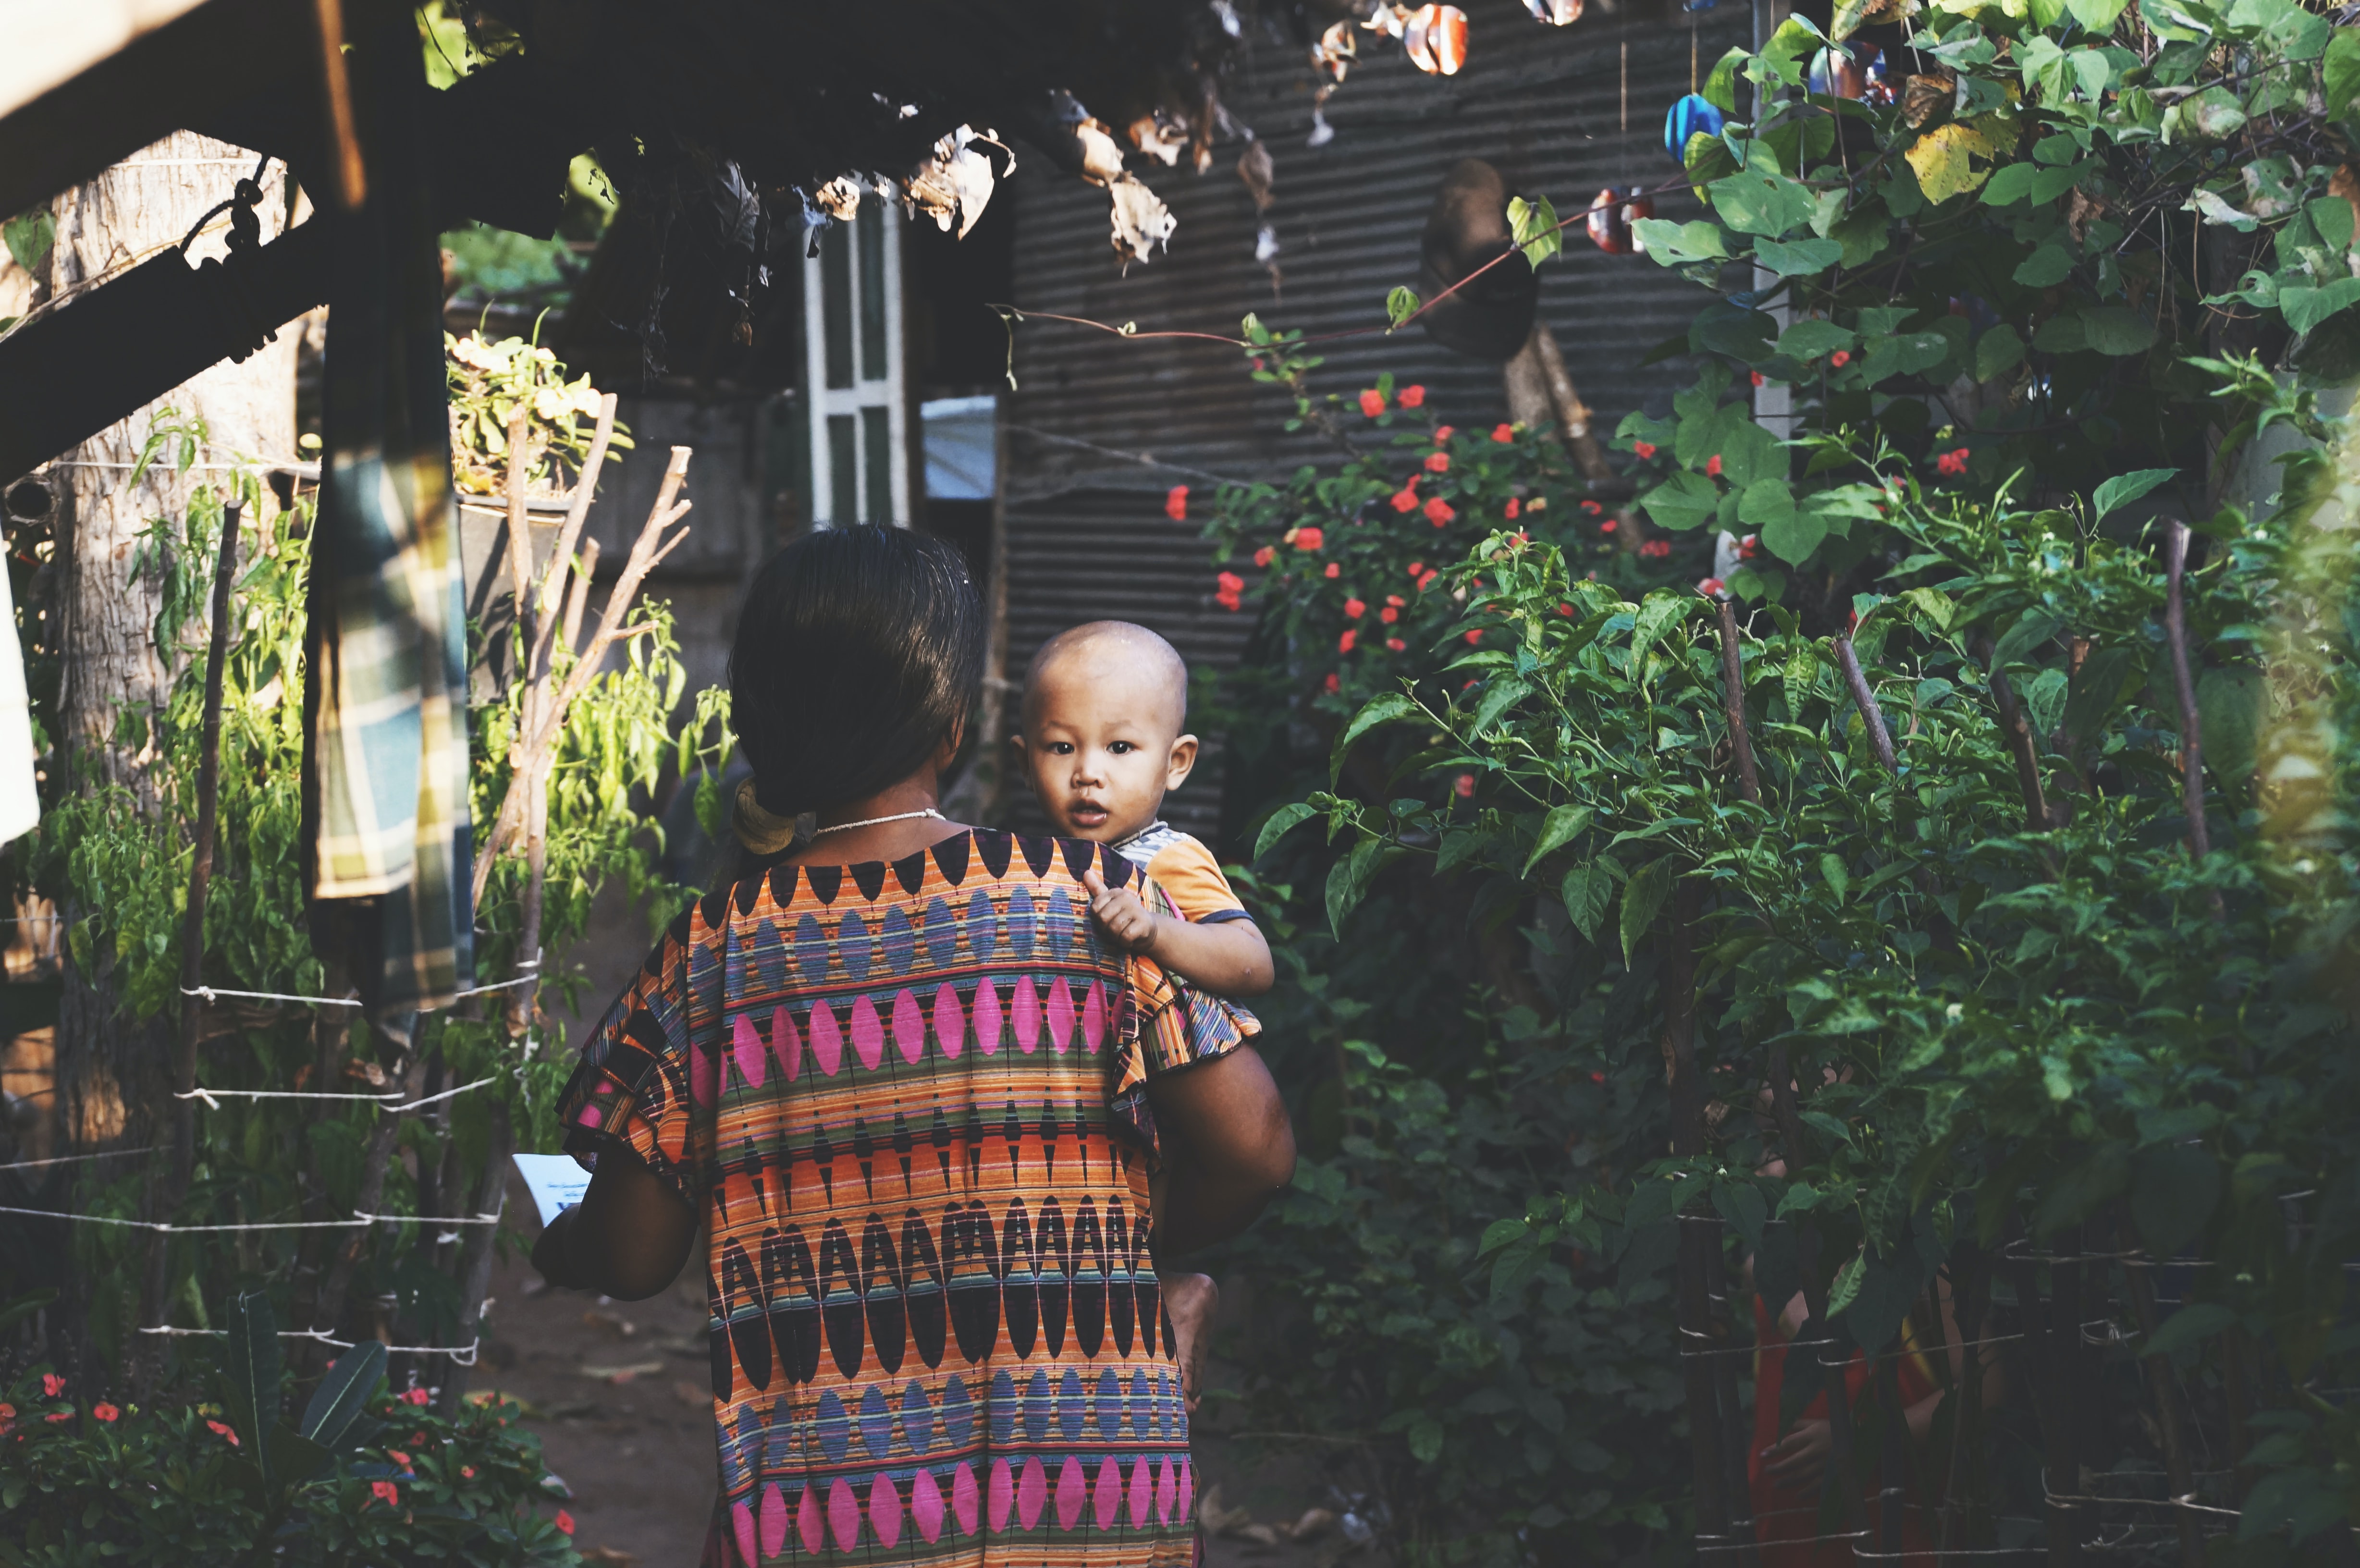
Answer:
(1880, 740)
(1733, 703)
(2191, 728)
(336, 88)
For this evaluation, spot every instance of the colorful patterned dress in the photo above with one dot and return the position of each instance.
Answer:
(890, 1091)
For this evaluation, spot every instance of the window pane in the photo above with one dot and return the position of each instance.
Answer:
(872, 292)
(835, 292)
(877, 438)
(843, 470)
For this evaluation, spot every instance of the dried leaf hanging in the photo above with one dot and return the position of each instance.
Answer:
(956, 184)
(1141, 222)
(1162, 135)
(1255, 168)
(1388, 21)
(1102, 154)
(1436, 40)
(1335, 51)
(1555, 13)
(1923, 97)
(839, 199)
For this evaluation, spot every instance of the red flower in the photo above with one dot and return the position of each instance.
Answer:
(1437, 463)
(1444, 432)
(399, 1457)
(1516, 508)
(224, 1431)
(1395, 599)
(387, 1493)
(1416, 569)
(1333, 571)
(7, 1411)
(1373, 402)
(418, 1439)
(1607, 526)
(1953, 462)
(1712, 465)
(1404, 500)
(1564, 609)
(1344, 644)
(564, 1522)
(1749, 547)
(466, 1472)
(1354, 609)
(1265, 555)
(1841, 358)
(416, 1397)
(52, 1384)
(1309, 539)
(61, 1416)
(1333, 683)
(1711, 587)
(1389, 615)
(1655, 549)
(1395, 644)
(1438, 511)
(104, 1412)
(1427, 581)
(1464, 785)
(1175, 504)
(1757, 378)
(1643, 450)
(1592, 508)
(1231, 582)
(1413, 396)
(1476, 636)
(1503, 434)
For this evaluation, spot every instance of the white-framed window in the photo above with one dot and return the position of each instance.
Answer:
(852, 362)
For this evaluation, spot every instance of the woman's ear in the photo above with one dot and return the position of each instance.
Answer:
(1182, 763)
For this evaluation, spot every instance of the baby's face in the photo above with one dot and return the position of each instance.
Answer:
(1098, 746)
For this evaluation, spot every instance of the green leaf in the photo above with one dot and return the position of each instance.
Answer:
(1534, 225)
(1756, 202)
(2305, 306)
(1673, 244)
(1834, 872)
(1905, 353)
(1425, 1439)
(1814, 339)
(339, 1405)
(1283, 821)
(2097, 17)
(294, 1458)
(1793, 537)
(1560, 827)
(1720, 88)
(2118, 329)
(1682, 502)
(2045, 268)
(2098, 689)
(249, 1375)
(1376, 711)
(1400, 306)
(29, 237)
(1661, 610)
(1846, 1289)
(1587, 890)
(1500, 693)
(1640, 901)
(2190, 1325)
(1997, 352)
(1942, 160)
(1798, 258)
(2229, 706)
(2125, 488)
(2340, 71)
(1348, 879)
(2032, 628)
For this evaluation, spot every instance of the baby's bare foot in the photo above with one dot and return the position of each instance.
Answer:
(1192, 1300)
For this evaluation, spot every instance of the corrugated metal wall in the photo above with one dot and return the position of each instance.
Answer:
(1086, 534)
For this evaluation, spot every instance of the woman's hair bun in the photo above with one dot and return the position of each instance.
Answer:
(858, 649)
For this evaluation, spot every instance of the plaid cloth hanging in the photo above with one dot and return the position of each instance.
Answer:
(385, 767)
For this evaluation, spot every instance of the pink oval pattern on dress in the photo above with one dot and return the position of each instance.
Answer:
(885, 1510)
(809, 1524)
(1025, 1015)
(1094, 1017)
(963, 1498)
(703, 1075)
(1142, 1492)
(1186, 1506)
(1003, 1494)
(1073, 1492)
(868, 1034)
(741, 1520)
(774, 1520)
(1165, 1494)
(926, 1507)
(753, 1056)
(1107, 1503)
(1032, 1493)
(910, 1028)
(826, 1043)
(950, 1022)
(844, 1515)
(1061, 1014)
(786, 1044)
(987, 1018)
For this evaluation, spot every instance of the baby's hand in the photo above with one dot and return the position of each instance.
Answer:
(1124, 915)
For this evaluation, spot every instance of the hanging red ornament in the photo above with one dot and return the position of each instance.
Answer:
(1436, 40)
(1613, 214)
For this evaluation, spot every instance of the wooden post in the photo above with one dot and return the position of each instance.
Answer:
(1880, 739)
(1732, 702)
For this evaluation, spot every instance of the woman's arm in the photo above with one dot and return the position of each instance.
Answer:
(627, 1238)
(1226, 1144)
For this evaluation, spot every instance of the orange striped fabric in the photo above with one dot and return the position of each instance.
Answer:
(890, 1091)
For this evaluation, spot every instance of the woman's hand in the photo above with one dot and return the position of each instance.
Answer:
(1798, 1460)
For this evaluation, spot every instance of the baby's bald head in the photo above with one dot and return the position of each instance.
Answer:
(1129, 664)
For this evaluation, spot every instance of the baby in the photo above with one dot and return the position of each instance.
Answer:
(1104, 709)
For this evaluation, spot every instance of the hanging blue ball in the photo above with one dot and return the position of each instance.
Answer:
(1693, 113)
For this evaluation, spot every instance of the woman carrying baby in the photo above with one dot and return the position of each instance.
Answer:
(875, 1073)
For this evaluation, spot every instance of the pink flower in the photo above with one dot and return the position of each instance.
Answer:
(1416, 569)
(1413, 396)
(1333, 683)
(1516, 508)
(1373, 402)
(1175, 504)
(466, 1472)
(1464, 785)
(416, 1397)
(1389, 615)
(61, 1416)
(1344, 644)
(1438, 511)
(1711, 587)
(1395, 599)
(1308, 539)
(387, 1493)
(1608, 527)
(1712, 465)
(52, 1384)
(1265, 555)
(104, 1412)
(1427, 581)
(1655, 549)
(1643, 450)
(1354, 609)
(1395, 644)
(564, 1522)
(1444, 432)
(1437, 463)
(224, 1431)
(1503, 434)
(1953, 462)
(1749, 547)
(1841, 358)
(1333, 571)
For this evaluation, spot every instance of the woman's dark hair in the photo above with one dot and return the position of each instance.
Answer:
(858, 649)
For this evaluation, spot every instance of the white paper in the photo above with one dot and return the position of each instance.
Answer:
(557, 1182)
